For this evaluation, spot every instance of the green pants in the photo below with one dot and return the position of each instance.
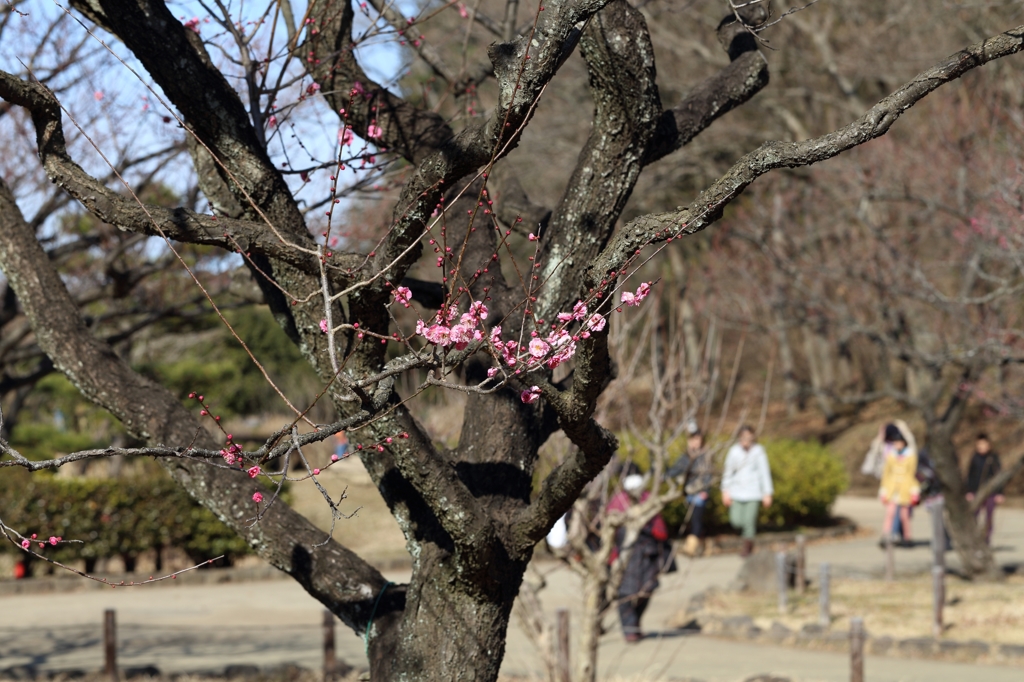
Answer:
(743, 516)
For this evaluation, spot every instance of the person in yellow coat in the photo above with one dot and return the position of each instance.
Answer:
(900, 489)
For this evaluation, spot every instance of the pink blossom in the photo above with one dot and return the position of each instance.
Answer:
(316, 472)
(373, 131)
(25, 544)
(98, 95)
(530, 395)
(478, 310)
(559, 339)
(53, 540)
(463, 12)
(491, 372)
(438, 334)
(358, 88)
(254, 472)
(642, 291)
(564, 347)
(193, 24)
(461, 335)
(323, 326)
(496, 335)
(421, 328)
(628, 298)
(257, 497)
(538, 348)
(533, 237)
(272, 121)
(345, 136)
(579, 311)
(596, 322)
(446, 315)
(334, 458)
(565, 317)
(508, 353)
(403, 295)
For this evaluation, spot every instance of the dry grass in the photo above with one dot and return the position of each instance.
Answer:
(900, 609)
(372, 532)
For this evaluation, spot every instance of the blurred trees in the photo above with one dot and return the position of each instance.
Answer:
(894, 273)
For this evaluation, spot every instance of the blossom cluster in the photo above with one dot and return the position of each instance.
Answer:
(26, 543)
(443, 333)
(550, 350)
(632, 299)
(231, 452)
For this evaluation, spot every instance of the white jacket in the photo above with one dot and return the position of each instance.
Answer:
(747, 475)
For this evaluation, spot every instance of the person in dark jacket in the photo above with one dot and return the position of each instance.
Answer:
(648, 555)
(985, 466)
(695, 469)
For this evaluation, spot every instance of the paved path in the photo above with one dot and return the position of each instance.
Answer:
(206, 627)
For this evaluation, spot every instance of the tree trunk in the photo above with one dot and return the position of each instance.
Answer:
(821, 374)
(975, 554)
(444, 629)
(791, 388)
(594, 585)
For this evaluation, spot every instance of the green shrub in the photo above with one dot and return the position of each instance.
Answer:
(112, 517)
(807, 478)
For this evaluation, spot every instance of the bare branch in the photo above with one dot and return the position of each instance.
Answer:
(708, 207)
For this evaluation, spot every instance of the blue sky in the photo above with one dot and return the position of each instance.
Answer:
(122, 113)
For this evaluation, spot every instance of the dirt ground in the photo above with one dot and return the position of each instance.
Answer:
(991, 612)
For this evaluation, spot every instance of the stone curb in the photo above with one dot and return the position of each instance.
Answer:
(814, 636)
(284, 671)
(843, 527)
(209, 576)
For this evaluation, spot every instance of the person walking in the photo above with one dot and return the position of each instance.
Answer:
(648, 555)
(746, 486)
(899, 489)
(985, 466)
(697, 471)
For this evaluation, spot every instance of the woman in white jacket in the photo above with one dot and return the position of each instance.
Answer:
(746, 485)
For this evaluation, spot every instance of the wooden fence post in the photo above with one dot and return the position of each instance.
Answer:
(856, 650)
(938, 598)
(824, 598)
(890, 559)
(562, 635)
(801, 563)
(330, 660)
(938, 534)
(110, 644)
(780, 572)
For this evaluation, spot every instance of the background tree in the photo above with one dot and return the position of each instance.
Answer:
(904, 286)
(243, 88)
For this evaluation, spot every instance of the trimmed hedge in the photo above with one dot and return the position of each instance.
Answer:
(806, 475)
(112, 517)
